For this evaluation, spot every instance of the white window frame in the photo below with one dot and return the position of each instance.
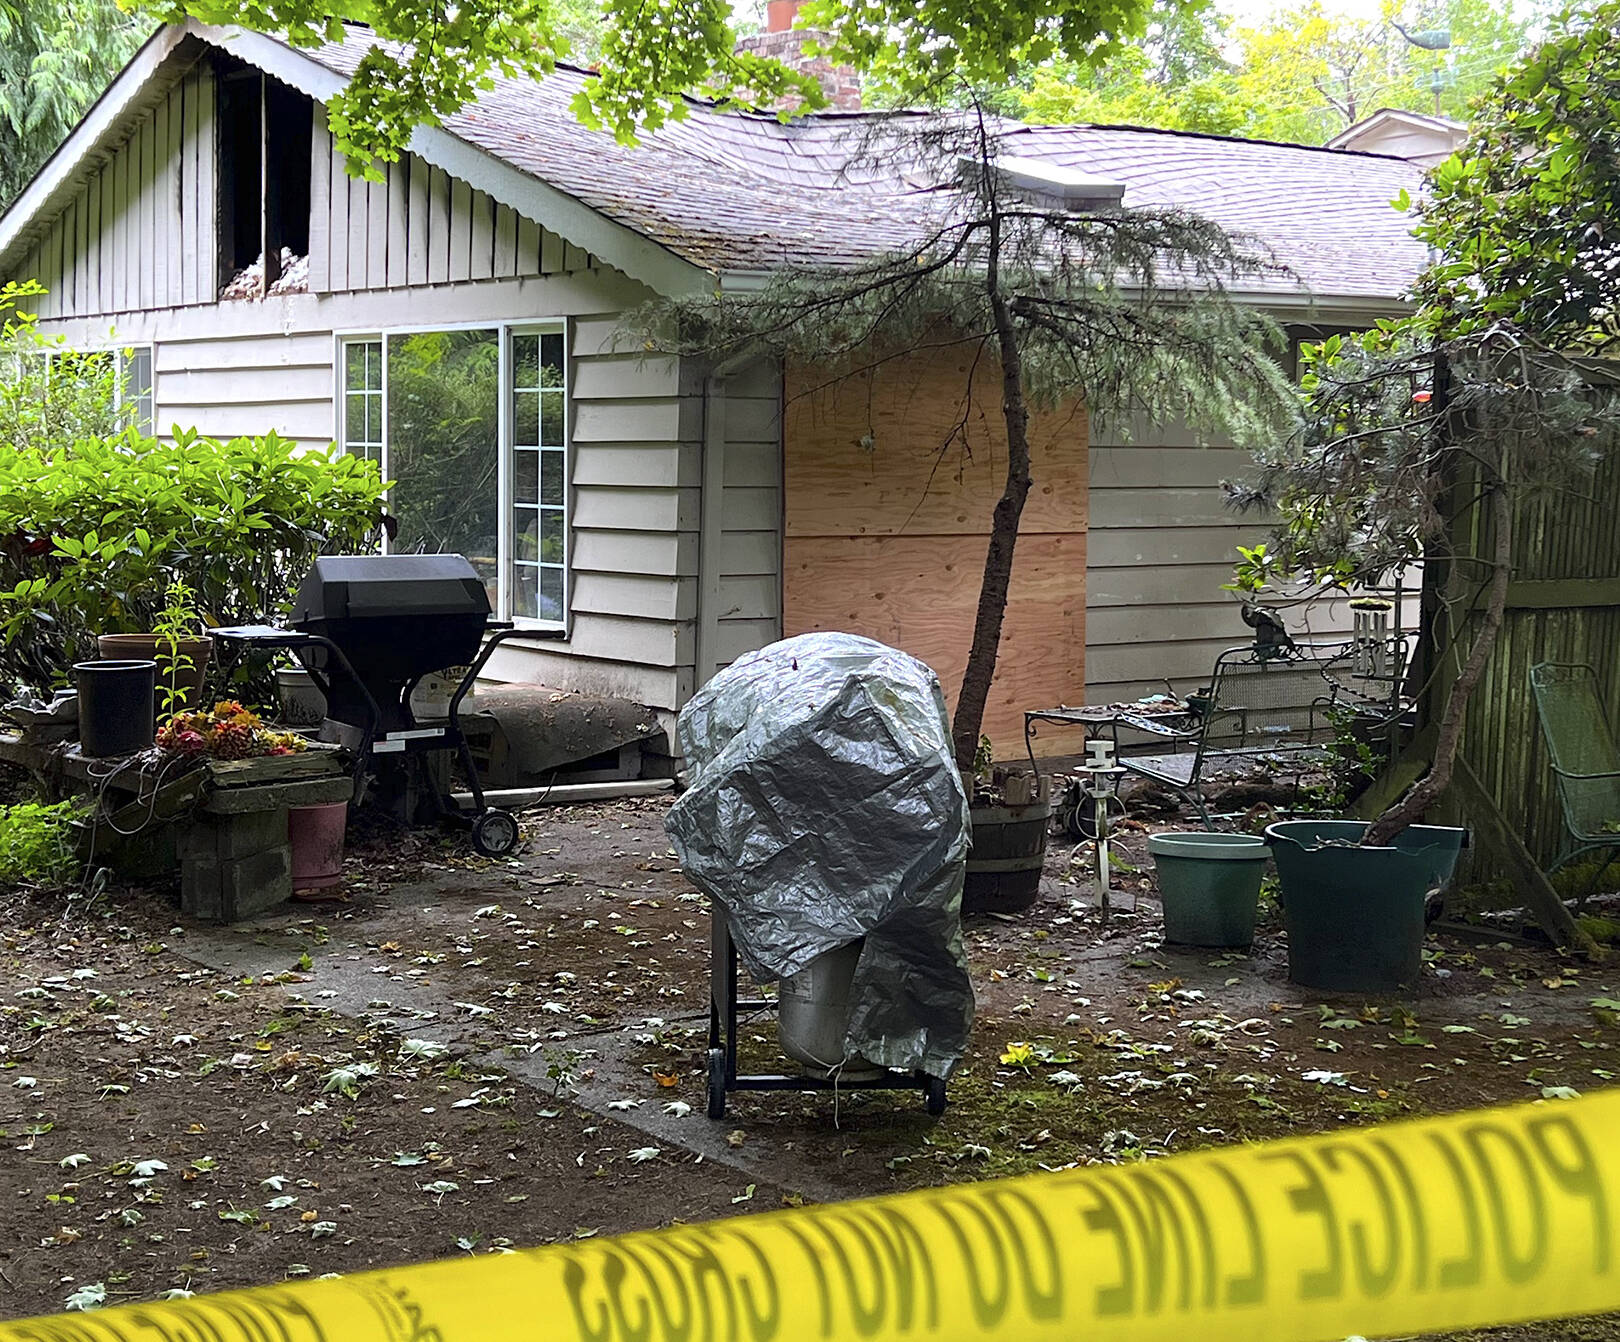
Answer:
(504, 428)
(150, 349)
(116, 352)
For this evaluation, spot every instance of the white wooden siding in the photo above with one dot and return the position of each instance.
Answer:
(1161, 543)
(750, 584)
(418, 227)
(139, 233)
(246, 385)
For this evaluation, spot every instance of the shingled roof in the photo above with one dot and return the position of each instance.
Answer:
(745, 193)
(738, 195)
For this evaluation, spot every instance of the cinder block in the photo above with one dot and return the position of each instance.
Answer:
(227, 890)
(225, 837)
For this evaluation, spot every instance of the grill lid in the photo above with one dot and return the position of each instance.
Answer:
(341, 587)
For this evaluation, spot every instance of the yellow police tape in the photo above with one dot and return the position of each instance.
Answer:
(1496, 1216)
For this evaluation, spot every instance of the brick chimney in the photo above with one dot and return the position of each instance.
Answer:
(783, 42)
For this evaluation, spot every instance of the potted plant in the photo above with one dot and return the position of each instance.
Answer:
(1209, 885)
(181, 652)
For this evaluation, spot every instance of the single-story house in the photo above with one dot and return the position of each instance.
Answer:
(458, 320)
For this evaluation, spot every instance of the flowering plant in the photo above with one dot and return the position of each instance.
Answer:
(228, 731)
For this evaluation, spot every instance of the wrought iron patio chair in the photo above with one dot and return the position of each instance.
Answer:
(1262, 706)
(1585, 760)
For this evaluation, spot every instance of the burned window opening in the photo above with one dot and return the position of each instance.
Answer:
(265, 144)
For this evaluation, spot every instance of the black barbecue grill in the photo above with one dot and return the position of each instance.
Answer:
(368, 629)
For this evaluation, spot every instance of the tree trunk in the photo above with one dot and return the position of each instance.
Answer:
(1432, 786)
(998, 560)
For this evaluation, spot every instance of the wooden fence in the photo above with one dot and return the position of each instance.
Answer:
(1563, 606)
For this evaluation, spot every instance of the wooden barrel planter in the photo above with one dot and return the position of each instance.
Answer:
(1004, 862)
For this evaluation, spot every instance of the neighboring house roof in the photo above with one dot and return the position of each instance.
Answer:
(1415, 136)
(735, 194)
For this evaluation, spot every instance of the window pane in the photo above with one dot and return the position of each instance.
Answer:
(551, 535)
(551, 359)
(354, 423)
(524, 591)
(551, 478)
(525, 534)
(354, 366)
(135, 387)
(525, 361)
(551, 419)
(444, 440)
(525, 477)
(526, 419)
(374, 366)
(551, 594)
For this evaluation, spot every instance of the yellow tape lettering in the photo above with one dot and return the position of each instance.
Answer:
(1577, 1174)
(1414, 1211)
(1310, 1198)
(1464, 1271)
(1515, 1266)
(1373, 1282)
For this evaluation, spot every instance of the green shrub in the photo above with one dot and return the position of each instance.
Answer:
(93, 534)
(36, 843)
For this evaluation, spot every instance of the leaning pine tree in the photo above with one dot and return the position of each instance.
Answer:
(1129, 312)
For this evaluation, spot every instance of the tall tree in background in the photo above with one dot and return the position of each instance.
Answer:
(56, 56)
(1303, 74)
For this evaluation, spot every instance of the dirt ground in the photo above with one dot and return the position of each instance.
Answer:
(467, 1055)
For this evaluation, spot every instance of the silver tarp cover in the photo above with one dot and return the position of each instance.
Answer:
(825, 805)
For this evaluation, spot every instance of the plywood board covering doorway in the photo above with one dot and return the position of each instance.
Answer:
(890, 478)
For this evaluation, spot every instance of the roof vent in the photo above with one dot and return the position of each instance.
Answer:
(1052, 184)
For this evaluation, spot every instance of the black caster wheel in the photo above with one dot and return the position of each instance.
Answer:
(1080, 820)
(717, 1083)
(495, 833)
(934, 1095)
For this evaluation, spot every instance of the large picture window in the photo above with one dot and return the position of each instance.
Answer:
(471, 427)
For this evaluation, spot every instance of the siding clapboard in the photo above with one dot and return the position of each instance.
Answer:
(750, 579)
(140, 232)
(1162, 541)
(417, 226)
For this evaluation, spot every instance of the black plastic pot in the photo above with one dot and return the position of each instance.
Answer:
(117, 711)
(1355, 915)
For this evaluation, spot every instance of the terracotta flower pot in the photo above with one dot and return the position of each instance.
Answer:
(150, 648)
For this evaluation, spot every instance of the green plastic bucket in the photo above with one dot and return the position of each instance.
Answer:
(1355, 915)
(1209, 885)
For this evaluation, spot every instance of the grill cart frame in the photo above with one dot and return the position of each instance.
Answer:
(369, 710)
(724, 1008)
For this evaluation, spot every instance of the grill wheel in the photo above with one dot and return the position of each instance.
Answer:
(495, 833)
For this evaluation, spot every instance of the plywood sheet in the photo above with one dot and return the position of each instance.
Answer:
(906, 450)
(886, 532)
(920, 593)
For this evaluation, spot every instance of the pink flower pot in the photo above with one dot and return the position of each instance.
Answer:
(316, 836)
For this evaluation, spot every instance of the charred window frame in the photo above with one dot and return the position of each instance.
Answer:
(265, 144)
